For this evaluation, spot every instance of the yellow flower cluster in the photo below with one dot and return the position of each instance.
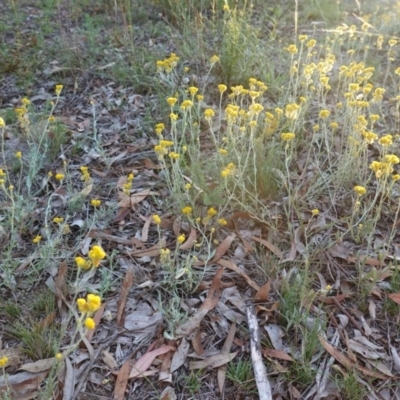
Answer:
(360, 190)
(162, 147)
(128, 184)
(156, 219)
(2, 123)
(292, 111)
(168, 64)
(386, 140)
(229, 170)
(58, 89)
(187, 210)
(159, 128)
(3, 361)
(96, 254)
(87, 307)
(85, 174)
(287, 136)
(384, 168)
(22, 115)
(186, 104)
(208, 114)
(95, 202)
(36, 239)
(58, 220)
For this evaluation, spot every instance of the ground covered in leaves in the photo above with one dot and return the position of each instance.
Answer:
(116, 282)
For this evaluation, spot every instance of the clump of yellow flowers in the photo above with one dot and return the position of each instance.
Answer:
(87, 308)
(96, 255)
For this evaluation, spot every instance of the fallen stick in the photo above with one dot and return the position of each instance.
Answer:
(260, 372)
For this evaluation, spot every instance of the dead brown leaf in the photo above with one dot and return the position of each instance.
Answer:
(263, 293)
(122, 381)
(209, 303)
(395, 297)
(232, 266)
(226, 348)
(269, 246)
(280, 354)
(214, 361)
(223, 247)
(144, 362)
(38, 366)
(126, 285)
(346, 362)
(152, 251)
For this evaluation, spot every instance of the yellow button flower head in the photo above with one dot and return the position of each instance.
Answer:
(58, 89)
(193, 90)
(96, 255)
(95, 202)
(360, 190)
(3, 361)
(208, 114)
(82, 263)
(37, 239)
(214, 59)
(180, 239)
(89, 323)
(222, 221)
(324, 114)
(211, 212)
(287, 136)
(82, 305)
(395, 177)
(311, 43)
(59, 356)
(223, 152)
(186, 210)
(60, 176)
(156, 219)
(188, 186)
(18, 154)
(171, 101)
(58, 220)
(386, 140)
(93, 302)
(315, 211)
(302, 38)
(222, 88)
(2, 123)
(292, 49)
(392, 159)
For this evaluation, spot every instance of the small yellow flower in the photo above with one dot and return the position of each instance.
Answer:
(93, 302)
(171, 101)
(292, 49)
(324, 114)
(395, 177)
(37, 239)
(188, 186)
(95, 202)
(18, 154)
(311, 43)
(222, 221)
(173, 117)
(187, 210)
(386, 140)
(180, 239)
(58, 220)
(315, 211)
(193, 90)
(82, 263)
(3, 361)
(2, 123)
(211, 212)
(60, 176)
(288, 136)
(222, 88)
(392, 159)
(302, 38)
(96, 255)
(59, 356)
(58, 89)
(156, 219)
(89, 323)
(208, 113)
(214, 59)
(360, 190)
(200, 97)
(223, 152)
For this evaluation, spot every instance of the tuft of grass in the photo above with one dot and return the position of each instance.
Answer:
(241, 374)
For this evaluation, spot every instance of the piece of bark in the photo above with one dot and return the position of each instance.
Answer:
(260, 372)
